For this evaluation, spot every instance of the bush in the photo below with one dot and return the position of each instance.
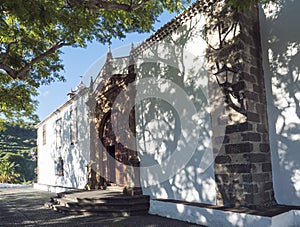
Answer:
(8, 172)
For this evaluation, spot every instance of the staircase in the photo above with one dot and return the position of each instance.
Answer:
(109, 203)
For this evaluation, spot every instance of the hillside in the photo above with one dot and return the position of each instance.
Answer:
(18, 144)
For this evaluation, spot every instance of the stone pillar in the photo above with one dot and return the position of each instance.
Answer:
(243, 169)
(134, 172)
(94, 165)
(94, 169)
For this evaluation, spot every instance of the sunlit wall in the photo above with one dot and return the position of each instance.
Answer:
(173, 117)
(280, 35)
(64, 135)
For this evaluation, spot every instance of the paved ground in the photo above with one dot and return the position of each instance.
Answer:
(25, 207)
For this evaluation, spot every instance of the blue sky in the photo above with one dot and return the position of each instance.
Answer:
(79, 62)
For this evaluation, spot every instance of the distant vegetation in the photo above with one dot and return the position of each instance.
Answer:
(18, 154)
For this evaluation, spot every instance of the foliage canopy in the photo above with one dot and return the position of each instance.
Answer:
(33, 32)
(245, 4)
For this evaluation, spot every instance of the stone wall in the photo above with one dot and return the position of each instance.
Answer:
(243, 169)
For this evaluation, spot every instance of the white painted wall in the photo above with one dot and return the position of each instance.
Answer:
(280, 35)
(215, 217)
(75, 151)
(173, 117)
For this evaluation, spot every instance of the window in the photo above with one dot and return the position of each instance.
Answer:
(58, 129)
(76, 125)
(44, 134)
(59, 166)
(73, 126)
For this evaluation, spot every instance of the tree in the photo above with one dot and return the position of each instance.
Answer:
(32, 33)
(245, 4)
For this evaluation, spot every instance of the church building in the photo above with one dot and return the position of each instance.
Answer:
(203, 116)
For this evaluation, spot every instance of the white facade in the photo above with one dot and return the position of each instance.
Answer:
(214, 217)
(64, 137)
(173, 117)
(280, 36)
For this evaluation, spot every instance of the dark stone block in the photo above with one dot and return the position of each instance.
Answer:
(247, 77)
(268, 186)
(251, 136)
(222, 159)
(253, 51)
(257, 88)
(266, 167)
(263, 99)
(247, 178)
(240, 168)
(253, 117)
(265, 137)
(264, 147)
(238, 148)
(260, 108)
(262, 128)
(261, 177)
(255, 158)
(249, 199)
(251, 95)
(267, 196)
(242, 127)
(239, 86)
(251, 188)
(254, 71)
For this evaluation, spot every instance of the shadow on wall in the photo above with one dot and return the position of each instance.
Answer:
(71, 144)
(281, 49)
(172, 118)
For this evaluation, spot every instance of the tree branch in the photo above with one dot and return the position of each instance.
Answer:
(9, 70)
(109, 5)
(22, 72)
(5, 55)
(139, 5)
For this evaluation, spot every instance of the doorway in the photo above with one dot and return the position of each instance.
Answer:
(111, 164)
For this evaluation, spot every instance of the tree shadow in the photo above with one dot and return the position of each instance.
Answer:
(281, 48)
(172, 116)
(67, 138)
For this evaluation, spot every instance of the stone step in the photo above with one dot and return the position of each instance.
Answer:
(104, 206)
(104, 213)
(127, 200)
(106, 198)
(109, 203)
(115, 188)
(61, 194)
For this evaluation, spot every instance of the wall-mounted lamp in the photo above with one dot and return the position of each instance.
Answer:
(226, 78)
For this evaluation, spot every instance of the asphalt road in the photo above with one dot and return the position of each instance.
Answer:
(25, 207)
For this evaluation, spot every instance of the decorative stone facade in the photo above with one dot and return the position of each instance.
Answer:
(114, 146)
